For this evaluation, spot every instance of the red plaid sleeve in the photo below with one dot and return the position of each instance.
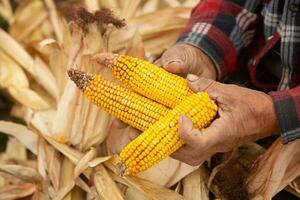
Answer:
(221, 29)
(287, 106)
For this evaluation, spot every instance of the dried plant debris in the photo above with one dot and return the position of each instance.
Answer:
(83, 18)
(58, 145)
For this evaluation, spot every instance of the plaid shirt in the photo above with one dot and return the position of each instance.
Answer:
(223, 28)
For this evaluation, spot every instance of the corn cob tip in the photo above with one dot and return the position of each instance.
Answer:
(105, 59)
(80, 78)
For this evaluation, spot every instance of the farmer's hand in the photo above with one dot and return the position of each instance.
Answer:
(185, 59)
(244, 115)
(119, 135)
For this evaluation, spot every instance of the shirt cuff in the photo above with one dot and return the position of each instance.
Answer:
(287, 106)
(214, 43)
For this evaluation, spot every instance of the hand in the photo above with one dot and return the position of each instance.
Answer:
(119, 135)
(244, 115)
(183, 59)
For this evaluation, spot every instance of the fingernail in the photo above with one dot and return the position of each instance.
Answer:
(173, 61)
(192, 77)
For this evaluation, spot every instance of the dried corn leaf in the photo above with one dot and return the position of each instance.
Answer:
(93, 41)
(17, 191)
(27, 19)
(2, 181)
(49, 82)
(41, 158)
(154, 191)
(28, 98)
(42, 120)
(81, 184)
(67, 180)
(54, 20)
(96, 127)
(98, 161)
(17, 52)
(167, 172)
(57, 61)
(65, 112)
(161, 21)
(294, 187)
(6, 10)
(194, 187)
(83, 164)
(157, 44)
(11, 73)
(111, 4)
(105, 186)
(62, 193)
(26, 174)
(73, 154)
(172, 3)
(130, 8)
(53, 165)
(274, 170)
(133, 194)
(23, 134)
(92, 5)
(135, 47)
(15, 149)
(190, 3)
(150, 6)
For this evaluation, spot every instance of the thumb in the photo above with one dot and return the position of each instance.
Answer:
(174, 60)
(198, 84)
(133, 133)
(174, 65)
(119, 124)
(191, 136)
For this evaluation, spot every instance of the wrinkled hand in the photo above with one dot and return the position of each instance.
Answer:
(183, 59)
(119, 135)
(244, 115)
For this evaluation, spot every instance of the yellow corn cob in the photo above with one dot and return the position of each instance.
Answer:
(162, 138)
(147, 79)
(124, 104)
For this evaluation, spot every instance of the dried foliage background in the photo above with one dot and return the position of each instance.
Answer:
(59, 145)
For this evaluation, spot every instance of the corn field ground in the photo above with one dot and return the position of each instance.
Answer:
(39, 41)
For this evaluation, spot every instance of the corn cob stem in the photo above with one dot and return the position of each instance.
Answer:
(162, 138)
(124, 104)
(147, 79)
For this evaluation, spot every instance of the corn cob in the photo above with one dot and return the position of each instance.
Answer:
(162, 138)
(147, 79)
(124, 104)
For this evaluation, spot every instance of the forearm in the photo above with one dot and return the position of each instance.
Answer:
(221, 29)
(287, 106)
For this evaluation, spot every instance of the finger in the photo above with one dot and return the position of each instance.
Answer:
(198, 84)
(133, 133)
(119, 124)
(175, 66)
(183, 154)
(191, 136)
(186, 130)
(187, 155)
(158, 62)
